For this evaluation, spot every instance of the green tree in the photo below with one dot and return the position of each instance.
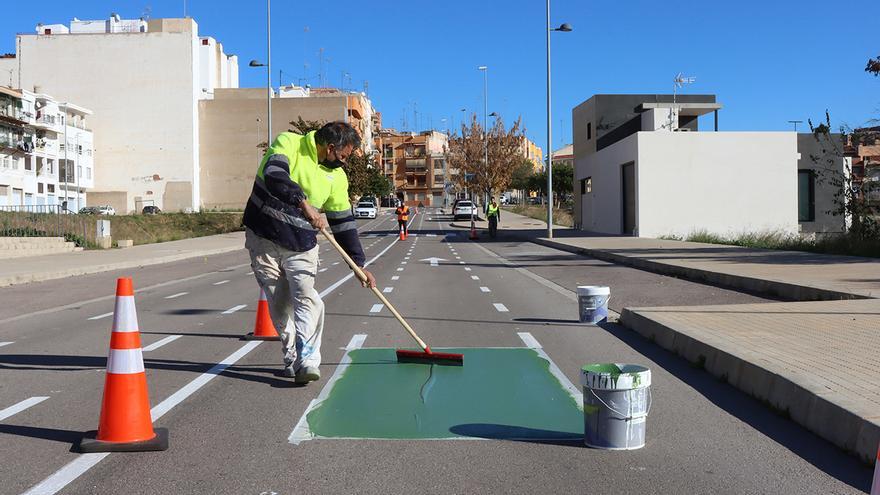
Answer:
(563, 175)
(519, 177)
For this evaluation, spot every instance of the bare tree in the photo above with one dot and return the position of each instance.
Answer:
(467, 154)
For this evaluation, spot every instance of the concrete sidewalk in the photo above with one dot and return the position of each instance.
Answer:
(38, 268)
(816, 362)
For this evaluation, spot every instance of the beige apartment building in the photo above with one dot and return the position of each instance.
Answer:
(232, 129)
(144, 81)
(416, 164)
(533, 153)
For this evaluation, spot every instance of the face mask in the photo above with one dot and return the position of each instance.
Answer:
(332, 163)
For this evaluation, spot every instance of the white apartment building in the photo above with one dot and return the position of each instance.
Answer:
(144, 80)
(37, 169)
(643, 168)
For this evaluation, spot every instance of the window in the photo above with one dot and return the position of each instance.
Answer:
(27, 163)
(39, 187)
(587, 185)
(79, 171)
(50, 188)
(806, 196)
(79, 149)
(88, 172)
(589, 131)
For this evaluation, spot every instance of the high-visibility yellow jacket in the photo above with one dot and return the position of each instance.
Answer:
(402, 213)
(288, 173)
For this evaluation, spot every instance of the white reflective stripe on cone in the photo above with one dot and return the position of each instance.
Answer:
(125, 361)
(125, 315)
(262, 295)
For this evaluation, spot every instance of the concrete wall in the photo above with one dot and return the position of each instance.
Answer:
(823, 158)
(724, 183)
(143, 90)
(602, 209)
(230, 133)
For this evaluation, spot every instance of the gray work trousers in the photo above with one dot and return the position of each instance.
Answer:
(288, 279)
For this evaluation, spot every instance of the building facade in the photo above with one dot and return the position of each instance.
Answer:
(643, 168)
(564, 155)
(533, 153)
(46, 152)
(416, 165)
(144, 81)
(233, 128)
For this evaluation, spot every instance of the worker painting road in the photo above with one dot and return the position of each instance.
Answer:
(237, 426)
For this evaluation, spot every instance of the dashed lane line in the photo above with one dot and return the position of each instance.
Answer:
(175, 296)
(376, 308)
(474, 277)
(84, 462)
(485, 289)
(21, 406)
(400, 269)
(395, 277)
(221, 282)
(234, 309)
(500, 307)
(101, 316)
(156, 345)
(467, 268)
(5, 343)
(388, 290)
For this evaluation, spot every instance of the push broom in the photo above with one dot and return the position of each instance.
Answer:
(403, 355)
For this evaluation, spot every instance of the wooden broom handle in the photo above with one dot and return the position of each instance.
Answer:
(363, 278)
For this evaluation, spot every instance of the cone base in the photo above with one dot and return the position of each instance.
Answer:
(251, 336)
(90, 444)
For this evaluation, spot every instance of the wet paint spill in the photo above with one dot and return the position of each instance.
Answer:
(497, 394)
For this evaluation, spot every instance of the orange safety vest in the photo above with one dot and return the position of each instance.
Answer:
(402, 213)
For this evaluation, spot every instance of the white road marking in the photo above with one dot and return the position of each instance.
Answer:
(485, 289)
(250, 273)
(301, 431)
(467, 268)
(221, 282)
(400, 269)
(406, 257)
(21, 406)
(376, 308)
(532, 343)
(335, 263)
(101, 316)
(474, 277)
(500, 307)
(322, 270)
(403, 262)
(388, 290)
(461, 262)
(234, 309)
(458, 257)
(395, 277)
(175, 296)
(84, 462)
(5, 343)
(156, 345)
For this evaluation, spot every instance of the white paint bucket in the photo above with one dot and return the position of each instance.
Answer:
(593, 303)
(617, 399)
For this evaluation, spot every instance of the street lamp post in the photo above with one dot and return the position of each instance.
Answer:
(485, 70)
(268, 66)
(564, 28)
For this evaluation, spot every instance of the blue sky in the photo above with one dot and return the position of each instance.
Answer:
(769, 62)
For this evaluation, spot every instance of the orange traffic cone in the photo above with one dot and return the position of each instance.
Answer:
(125, 424)
(263, 327)
(473, 235)
(875, 486)
(402, 233)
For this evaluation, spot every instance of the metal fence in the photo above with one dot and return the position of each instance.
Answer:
(47, 221)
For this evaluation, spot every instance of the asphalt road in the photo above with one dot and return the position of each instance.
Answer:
(230, 416)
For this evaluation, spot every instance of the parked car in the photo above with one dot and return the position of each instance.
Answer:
(151, 210)
(365, 209)
(463, 208)
(106, 210)
(89, 210)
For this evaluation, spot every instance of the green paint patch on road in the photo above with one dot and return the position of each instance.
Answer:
(498, 394)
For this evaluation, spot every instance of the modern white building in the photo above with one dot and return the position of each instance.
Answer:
(37, 168)
(144, 80)
(644, 168)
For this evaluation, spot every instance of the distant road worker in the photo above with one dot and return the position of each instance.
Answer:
(402, 213)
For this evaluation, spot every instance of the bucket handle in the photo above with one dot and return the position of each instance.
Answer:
(648, 410)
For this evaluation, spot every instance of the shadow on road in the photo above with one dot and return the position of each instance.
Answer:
(519, 434)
